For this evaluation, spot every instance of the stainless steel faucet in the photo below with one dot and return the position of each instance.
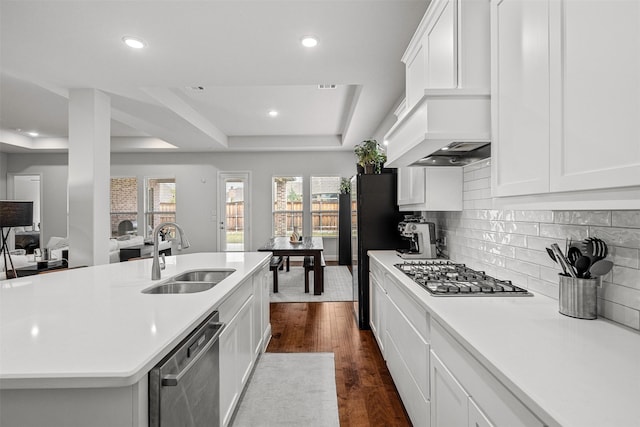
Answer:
(184, 243)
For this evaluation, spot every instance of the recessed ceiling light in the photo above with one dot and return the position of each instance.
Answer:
(445, 148)
(134, 42)
(273, 113)
(32, 133)
(385, 142)
(309, 41)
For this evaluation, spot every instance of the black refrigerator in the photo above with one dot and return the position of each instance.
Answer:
(375, 218)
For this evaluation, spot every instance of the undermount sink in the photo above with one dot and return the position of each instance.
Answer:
(190, 282)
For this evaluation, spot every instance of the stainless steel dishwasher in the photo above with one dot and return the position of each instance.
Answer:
(184, 388)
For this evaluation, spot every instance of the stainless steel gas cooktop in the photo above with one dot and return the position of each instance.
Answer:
(446, 278)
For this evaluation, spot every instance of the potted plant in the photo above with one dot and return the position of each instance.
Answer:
(345, 186)
(370, 155)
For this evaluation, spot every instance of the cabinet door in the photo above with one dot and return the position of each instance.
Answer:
(229, 393)
(476, 417)
(411, 183)
(449, 401)
(245, 354)
(377, 310)
(520, 97)
(596, 101)
(415, 76)
(441, 48)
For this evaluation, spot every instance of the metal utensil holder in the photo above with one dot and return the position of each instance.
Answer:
(578, 297)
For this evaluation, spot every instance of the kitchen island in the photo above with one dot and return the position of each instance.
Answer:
(80, 342)
(501, 361)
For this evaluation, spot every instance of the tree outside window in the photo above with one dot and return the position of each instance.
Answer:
(324, 205)
(287, 197)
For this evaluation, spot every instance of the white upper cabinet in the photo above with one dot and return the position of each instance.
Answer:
(442, 51)
(565, 96)
(430, 188)
(595, 103)
(520, 97)
(447, 82)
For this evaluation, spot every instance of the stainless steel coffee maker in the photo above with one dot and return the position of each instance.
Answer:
(422, 239)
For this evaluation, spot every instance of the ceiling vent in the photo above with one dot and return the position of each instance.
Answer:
(325, 86)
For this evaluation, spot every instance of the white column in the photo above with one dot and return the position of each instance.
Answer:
(89, 177)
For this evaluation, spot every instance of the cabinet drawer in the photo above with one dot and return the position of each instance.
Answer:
(413, 348)
(499, 405)
(416, 404)
(415, 313)
(231, 305)
(376, 270)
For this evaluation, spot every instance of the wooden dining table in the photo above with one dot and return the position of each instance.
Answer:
(308, 246)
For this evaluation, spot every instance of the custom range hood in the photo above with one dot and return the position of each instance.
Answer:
(446, 127)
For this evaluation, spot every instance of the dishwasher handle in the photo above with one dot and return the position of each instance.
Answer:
(172, 380)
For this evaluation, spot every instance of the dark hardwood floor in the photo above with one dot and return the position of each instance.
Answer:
(366, 393)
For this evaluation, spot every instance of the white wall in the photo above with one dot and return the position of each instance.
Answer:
(3, 176)
(196, 200)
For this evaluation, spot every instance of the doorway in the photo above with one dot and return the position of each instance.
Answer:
(233, 211)
(26, 187)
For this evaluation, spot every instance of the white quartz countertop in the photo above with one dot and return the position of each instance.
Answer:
(92, 327)
(569, 372)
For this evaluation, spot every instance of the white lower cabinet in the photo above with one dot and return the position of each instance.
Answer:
(400, 326)
(476, 417)
(246, 317)
(461, 384)
(449, 401)
(408, 361)
(450, 404)
(236, 359)
(378, 302)
(440, 383)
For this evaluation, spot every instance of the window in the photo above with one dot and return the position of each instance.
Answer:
(160, 203)
(287, 199)
(124, 206)
(324, 205)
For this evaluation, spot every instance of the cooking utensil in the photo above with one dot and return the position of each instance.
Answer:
(566, 267)
(582, 266)
(600, 268)
(551, 255)
(573, 255)
(594, 248)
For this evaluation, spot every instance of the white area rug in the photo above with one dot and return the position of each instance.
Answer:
(337, 285)
(290, 389)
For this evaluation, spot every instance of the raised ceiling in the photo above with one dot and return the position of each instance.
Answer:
(210, 73)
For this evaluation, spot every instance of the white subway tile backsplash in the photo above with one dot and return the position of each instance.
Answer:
(511, 245)
(629, 219)
(537, 257)
(534, 216)
(583, 217)
(543, 287)
(629, 277)
(619, 313)
(527, 268)
(620, 295)
(624, 237)
(476, 184)
(625, 257)
(557, 231)
(541, 243)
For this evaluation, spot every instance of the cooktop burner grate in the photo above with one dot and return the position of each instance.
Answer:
(446, 278)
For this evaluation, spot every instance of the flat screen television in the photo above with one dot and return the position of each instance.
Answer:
(16, 213)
